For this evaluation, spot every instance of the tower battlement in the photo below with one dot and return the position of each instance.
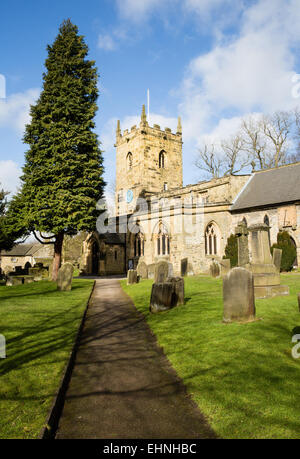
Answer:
(149, 159)
(145, 128)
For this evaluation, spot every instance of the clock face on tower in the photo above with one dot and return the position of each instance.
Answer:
(129, 196)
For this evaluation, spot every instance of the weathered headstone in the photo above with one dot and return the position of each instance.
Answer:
(132, 277)
(142, 270)
(190, 270)
(65, 276)
(14, 280)
(165, 296)
(161, 297)
(243, 250)
(277, 255)
(38, 272)
(162, 271)
(260, 244)
(214, 269)
(178, 286)
(151, 270)
(184, 267)
(28, 279)
(266, 274)
(238, 296)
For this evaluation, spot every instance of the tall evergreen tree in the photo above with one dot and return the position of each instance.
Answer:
(11, 227)
(62, 177)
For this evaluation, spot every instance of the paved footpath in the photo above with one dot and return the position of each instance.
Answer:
(122, 385)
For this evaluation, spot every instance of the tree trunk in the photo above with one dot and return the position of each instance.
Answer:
(57, 255)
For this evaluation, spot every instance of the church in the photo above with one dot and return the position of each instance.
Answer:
(157, 218)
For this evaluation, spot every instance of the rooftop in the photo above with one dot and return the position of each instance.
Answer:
(270, 187)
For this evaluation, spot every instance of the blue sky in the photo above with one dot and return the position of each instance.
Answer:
(210, 61)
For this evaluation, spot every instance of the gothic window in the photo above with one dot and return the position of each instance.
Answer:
(162, 241)
(139, 245)
(129, 161)
(212, 240)
(162, 160)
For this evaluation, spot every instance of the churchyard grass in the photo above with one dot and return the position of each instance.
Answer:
(242, 376)
(40, 325)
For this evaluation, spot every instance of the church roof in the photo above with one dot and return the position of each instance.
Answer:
(270, 187)
(22, 250)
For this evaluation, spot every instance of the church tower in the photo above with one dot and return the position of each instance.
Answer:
(149, 161)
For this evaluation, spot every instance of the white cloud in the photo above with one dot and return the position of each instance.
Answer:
(142, 10)
(9, 175)
(253, 72)
(138, 10)
(106, 42)
(14, 110)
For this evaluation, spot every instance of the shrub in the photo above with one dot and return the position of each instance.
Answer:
(289, 253)
(231, 250)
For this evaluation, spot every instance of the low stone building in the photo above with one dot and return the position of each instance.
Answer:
(25, 256)
(159, 219)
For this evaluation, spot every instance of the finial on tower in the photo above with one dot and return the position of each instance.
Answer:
(179, 127)
(143, 117)
(118, 132)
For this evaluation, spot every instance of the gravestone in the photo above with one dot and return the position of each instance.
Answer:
(225, 266)
(243, 251)
(132, 277)
(142, 270)
(260, 244)
(28, 279)
(14, 280)
(178, 287)
(190, 270)
(214, 269)
(266, 274)
(184, 267)
(238, 296)
(162, 271)
(38, 272)
(165, 296)
(65, 276)
(151, 270)
(277, 255)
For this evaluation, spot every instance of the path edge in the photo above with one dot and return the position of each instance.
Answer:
(49, 429)
(169, 368)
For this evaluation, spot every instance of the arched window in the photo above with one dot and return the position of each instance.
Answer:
(162, 241)
(245, 221)
(162, 159)
(212, 240)
(139, 245)
(129, 161)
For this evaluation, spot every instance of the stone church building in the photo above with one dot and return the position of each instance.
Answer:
(157, 218)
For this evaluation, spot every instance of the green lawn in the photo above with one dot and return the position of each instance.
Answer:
(40, 325)
(243, 377)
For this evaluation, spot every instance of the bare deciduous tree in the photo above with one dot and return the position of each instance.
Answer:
(277, 129)
(209, 161)
(254, 141)
(234, 158)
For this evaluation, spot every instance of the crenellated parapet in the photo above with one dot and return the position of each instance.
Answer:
(145, 129)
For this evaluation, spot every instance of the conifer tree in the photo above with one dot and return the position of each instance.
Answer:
(62, 177)
(11, 227)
